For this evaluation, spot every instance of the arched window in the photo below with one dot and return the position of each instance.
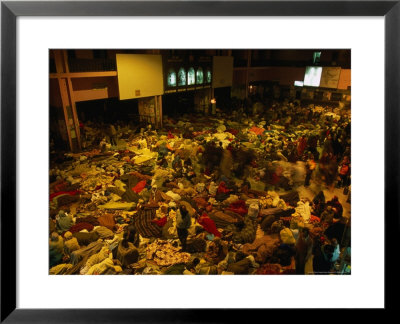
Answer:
(181, 77)
(191, 77)
(199, 75)
(171, 81)
(208, 76)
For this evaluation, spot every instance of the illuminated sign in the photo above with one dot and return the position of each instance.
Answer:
(312, 76)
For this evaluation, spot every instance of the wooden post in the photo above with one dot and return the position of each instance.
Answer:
(62, 86)
(160, 111)
(60, 69)
(72, 101)
(155, 111)
(247, 72)
(66, 91)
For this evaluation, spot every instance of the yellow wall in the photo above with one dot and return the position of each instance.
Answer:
(330, 77)
(94, 88)
(222, 71)
(139, 75)
(345, 79)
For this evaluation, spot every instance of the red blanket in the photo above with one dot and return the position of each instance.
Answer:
(256, 130)
(71, 193)
(139, 186)
(238, 207)
(209, 225)
(222, 188)
(160, 222)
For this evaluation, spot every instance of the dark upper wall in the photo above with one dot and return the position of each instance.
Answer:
(104, 59)
(292, 58)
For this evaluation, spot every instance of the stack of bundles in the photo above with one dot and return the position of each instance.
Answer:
(222, 219)
(238, 207)
(291, 198)
(86, 238)
(88, 219)
(247, 234)
(270, 215)
(79, 257)
(262, 247)
(107, 220)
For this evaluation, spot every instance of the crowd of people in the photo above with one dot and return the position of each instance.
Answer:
(262, 192)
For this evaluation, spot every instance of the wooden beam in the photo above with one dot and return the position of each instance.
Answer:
(155, 111)
(253, 68)
(65, 60)
(72, 101)
(161, 112)
(58, 57)
(83, 74)
(59, 62)
(91, 94)
(247, 72)
(65, 102)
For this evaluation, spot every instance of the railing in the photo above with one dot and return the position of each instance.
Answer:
(91, 65)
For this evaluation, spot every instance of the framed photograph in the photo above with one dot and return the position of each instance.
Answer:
(35, 35)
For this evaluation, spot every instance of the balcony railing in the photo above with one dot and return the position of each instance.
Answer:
(91, 65)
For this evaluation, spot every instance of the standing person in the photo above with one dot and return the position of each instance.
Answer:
(56, 249)
(304, 248)
(327, 252)
(83, 134)
(301, 146)
(127, 253)
(344, 172)
(132, 235)
(113, 135)
(336, 252)
(288, 120)
(336, 207)
(328, 145)
(310, 167)
(323, 165)
(331, 171)
(312, 144)
(183, 222)
(322, 261)
(103, 145)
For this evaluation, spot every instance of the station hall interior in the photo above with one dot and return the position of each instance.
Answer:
(200, 161)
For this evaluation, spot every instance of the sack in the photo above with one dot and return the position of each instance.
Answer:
(253, 210)
(276, 226)
(296, 222)
(287, 236)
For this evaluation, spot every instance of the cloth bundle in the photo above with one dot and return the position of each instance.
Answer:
(222, 219)
(263, 247)
(85, 252)
(107, 220)
(238, 207)
(163, 253)
(253, 210)
(127, 255)
(80, 227)
(247, 234)
(287, 236)
(144, 225)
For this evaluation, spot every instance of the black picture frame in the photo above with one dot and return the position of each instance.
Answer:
(10, 10)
